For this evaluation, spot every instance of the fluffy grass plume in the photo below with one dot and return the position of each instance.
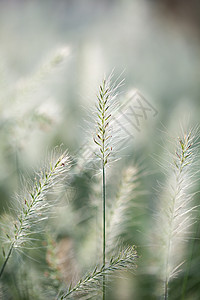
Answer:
(120, 212)
(33, 206)
(106, 107)
(175, 214)
(91, 284)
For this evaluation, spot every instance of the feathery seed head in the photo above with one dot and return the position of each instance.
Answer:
(105, 107)
(33, 206)
(92, 283)
(175, 214)
(119, 216)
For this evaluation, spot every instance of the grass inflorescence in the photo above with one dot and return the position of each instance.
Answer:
(103, 138)
(91, 284)
(78, 225)
(34, 206)
(176, 210)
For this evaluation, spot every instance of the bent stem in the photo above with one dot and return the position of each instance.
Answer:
(6, 260)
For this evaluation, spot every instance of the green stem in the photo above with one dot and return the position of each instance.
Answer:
(104, 227)
(104, 189)
(185, 280)
(6, 260)
(166, 290)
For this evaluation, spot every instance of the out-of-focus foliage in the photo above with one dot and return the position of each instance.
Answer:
(53, 56)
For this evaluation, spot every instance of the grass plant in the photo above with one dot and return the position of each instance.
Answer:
(22, 228)
(176, 210)
(33, 206)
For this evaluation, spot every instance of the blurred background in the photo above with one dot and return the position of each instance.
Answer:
(53, 56)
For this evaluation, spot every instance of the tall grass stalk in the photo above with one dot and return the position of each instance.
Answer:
(104, 225)
(176, 210)
(107, 93)
(33, 205)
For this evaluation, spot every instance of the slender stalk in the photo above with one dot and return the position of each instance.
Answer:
(166, 290)
(104, 228)
(185, 280)
(104, 193)
(166, 283)
(6, 260)
(103, 139)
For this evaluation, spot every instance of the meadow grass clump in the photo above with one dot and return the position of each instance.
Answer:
(61, 274)
(32, 207)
